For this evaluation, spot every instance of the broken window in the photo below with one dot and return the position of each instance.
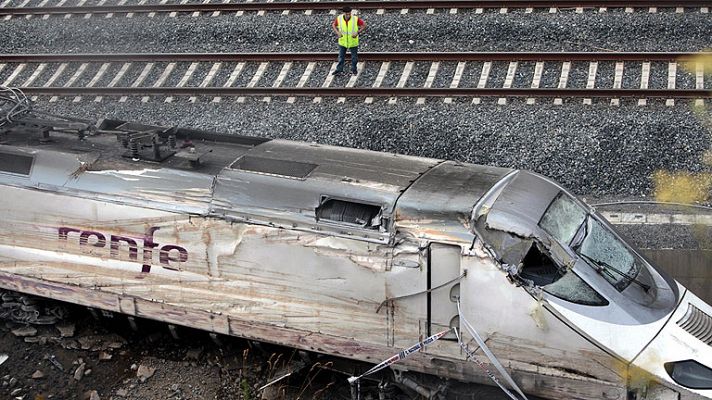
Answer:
(563, 218)
(601, 249)
(15, 163)
(362, 215)
(597, 246)
(558, 281)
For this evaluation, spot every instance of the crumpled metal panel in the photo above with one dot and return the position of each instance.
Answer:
(439, 204)
(342, 173)
(49, 168)
(521, 204)
(162, 188)
(165, 189)
(369, 169)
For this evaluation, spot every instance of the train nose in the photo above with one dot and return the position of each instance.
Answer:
(680, 356)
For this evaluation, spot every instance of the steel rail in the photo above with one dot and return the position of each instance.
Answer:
(370, 56)
(362, 5)
(369, 92)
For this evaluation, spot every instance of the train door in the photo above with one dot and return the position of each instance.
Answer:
(443, 267)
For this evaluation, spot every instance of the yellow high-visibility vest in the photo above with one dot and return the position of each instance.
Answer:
(347, 29)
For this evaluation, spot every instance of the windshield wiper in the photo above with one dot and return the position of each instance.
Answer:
(602, 266)
(580, 234)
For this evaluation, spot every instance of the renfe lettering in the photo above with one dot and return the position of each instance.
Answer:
(170, 256)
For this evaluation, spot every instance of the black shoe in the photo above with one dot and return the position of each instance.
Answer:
(354, 72)
(337, 72)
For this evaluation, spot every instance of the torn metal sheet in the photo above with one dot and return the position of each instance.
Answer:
(175, 190)
(508, 215)
(439, 204)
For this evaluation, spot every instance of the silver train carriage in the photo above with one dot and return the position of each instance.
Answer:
(347, 252)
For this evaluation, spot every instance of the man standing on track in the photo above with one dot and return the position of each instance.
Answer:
(347, 28)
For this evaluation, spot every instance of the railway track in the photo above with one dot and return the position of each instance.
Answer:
(473, 76)
(431, 6)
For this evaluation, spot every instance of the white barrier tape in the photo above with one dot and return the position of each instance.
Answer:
(490, 355)
(401, 355)
(471, 356)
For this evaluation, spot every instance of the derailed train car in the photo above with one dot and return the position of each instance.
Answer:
(346, 252)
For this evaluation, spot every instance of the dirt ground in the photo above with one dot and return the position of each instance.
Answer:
(105, 359)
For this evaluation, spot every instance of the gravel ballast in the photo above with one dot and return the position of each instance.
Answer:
(597, 150)
(416, 31)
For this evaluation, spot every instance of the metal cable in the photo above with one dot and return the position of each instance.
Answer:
(13, 103)
(384, 302)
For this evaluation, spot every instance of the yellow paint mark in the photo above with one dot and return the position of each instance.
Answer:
(701, 234)
(635, 377)
(681, 187)
(704, 58)
(638, 376)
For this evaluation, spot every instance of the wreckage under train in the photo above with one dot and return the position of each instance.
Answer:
(347, 252)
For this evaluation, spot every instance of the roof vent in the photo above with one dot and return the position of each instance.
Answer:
(283, 168)
(19, 164)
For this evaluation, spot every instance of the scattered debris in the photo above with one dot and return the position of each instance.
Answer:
(89, 342)
(3, 358)
(36, 339)
(79, 372)
(66, 329)
(176, 391)
(52, 359)
(38, 375)
(25, 331)
(96, 343)
(144, 372)
(122, 392)
(115, 345)
(193, 354)
(16, 392)
(104, 356)
(274, 381)
(94, 395)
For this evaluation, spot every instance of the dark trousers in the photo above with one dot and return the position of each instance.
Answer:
(342, 56)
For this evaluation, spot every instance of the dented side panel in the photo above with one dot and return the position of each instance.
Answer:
(302, 289)
(547, 342)
(439, 204)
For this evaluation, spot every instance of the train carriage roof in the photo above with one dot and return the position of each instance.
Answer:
(276, 182)
(439, 205)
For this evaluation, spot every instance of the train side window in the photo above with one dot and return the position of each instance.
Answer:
(366, 216)
(18, 164)
(556, 280)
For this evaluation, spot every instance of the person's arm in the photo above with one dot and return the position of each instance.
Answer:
(335, 28)
(361, 27)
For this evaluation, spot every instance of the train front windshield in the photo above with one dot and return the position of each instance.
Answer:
(564, 247)
(549, 241)
(599, 247)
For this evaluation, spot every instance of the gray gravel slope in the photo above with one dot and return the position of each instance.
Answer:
(416, 31)
(594, 150)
